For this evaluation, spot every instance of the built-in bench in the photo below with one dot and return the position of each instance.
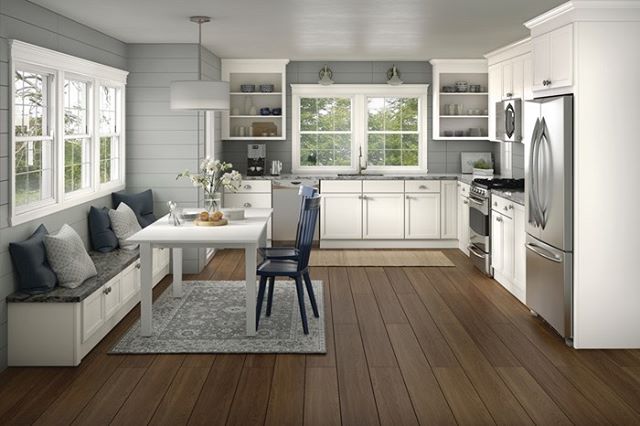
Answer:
(60, 327)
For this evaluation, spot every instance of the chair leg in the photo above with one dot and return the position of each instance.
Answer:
(303, 312)
(312, 296)
(261, 288)
(270, 295)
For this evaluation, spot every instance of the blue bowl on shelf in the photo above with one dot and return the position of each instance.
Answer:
(276, 111)
(265, 111)
(247, 88)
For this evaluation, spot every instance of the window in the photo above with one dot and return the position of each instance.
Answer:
(109, 136)
(33, 141)
(57, 159)
(325, 131)
(77, 139)
(334, 125)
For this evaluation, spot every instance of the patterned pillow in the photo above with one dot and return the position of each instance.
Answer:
(124, 224)
(68, 257)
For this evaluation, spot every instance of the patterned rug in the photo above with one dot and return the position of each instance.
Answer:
(210, 318)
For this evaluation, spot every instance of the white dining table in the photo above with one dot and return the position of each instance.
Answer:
(247, 234)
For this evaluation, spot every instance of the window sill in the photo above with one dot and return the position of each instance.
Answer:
(28, 216)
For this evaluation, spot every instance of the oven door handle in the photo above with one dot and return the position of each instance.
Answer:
(473, 200)
(473, 250)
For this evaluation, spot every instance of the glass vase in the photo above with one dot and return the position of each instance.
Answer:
(213, 202)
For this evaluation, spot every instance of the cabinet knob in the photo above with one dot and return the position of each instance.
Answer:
(506, 209)
(107, 290)
(508, 94)
(510, 206)
(495, 203)
(465, 202)
(247, 187)
(247, 204)
(498, 219)
(138, 266)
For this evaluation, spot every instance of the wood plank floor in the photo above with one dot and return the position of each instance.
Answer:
(404, 346)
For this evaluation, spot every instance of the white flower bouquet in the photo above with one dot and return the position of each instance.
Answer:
(213, 177)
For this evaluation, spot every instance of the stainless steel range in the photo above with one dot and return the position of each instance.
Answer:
(480, 218)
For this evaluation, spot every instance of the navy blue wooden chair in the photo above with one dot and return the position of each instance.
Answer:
(290, 253)
(297, 269)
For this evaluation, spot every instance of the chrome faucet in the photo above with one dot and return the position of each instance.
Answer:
(360, 167)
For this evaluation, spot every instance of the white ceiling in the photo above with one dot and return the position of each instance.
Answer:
(315, 29)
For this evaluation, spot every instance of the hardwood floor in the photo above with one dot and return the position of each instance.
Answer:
(405, 346)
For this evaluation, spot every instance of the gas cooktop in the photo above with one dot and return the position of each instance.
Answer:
(515, 184)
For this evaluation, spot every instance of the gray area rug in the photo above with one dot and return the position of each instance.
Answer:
(210, 318)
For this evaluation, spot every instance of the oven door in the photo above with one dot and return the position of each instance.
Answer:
(479, 224)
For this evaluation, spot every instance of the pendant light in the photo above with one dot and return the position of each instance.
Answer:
(199, 94)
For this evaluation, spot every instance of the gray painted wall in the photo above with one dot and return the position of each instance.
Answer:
(27, 22)
(162, 142)
(442, 156)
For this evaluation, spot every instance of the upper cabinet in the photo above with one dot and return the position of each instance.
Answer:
(510, 76)
(460, 99)
(258, 99)
(553, 59)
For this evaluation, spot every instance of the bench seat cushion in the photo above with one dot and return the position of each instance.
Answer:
(108, 266)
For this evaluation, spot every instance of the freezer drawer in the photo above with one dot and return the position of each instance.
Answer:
(550, 285)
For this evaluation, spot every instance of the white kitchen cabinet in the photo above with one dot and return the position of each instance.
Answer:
(422, 216)
(553, 59)
(383, 216)
(449, 210)
(507, 246)
(341, 216)
(463, 217)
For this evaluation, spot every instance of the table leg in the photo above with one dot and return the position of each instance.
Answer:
(176, 287)
(146, 289)
(250, 274)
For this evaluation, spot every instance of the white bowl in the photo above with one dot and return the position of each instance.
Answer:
(233, 214)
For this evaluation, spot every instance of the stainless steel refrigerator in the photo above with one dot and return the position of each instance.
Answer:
(549, 210)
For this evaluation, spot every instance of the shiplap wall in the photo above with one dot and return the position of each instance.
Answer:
(27, 22)
(162, 142)
(442, 156)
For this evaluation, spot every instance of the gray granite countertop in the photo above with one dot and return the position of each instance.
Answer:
(428, 176)
(515, 196)
(108, 266)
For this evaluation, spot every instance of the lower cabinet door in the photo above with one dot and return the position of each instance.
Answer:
(422, 216)
(341, 217)
(111, 292)
(497, 242)
(129, 285)
(507, 244)
(383, 217)
(92, 314)
(519, 252)
(449, 206)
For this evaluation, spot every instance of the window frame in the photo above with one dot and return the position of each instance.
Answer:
(24, 56)
(359, 125)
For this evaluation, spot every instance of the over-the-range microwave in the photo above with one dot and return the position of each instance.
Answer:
(509, 120)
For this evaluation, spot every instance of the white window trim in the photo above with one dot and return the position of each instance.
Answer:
(60, 64)
(359, 94)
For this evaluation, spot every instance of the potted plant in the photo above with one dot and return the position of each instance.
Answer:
(213, 177)
(482, 168)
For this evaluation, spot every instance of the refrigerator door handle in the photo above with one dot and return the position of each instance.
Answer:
(545, 145)
(544, 253)
(533, 165)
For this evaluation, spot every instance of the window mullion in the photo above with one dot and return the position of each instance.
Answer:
(57, 109)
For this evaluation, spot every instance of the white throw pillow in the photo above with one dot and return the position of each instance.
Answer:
(124, 223)
(68, 257)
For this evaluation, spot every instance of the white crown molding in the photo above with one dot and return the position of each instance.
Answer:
(584, 11)
(36, 55)
(518, 48)
(459, 65)
(251, 65)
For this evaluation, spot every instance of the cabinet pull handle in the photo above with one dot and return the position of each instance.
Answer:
(247, 204)
(510, 206)
(422, 187)
(509, 94)
(498, 219)
(107, 290)
(407, 197)
(495, 203)
(546, 82)
(506, 209)
(247, 187)
(364, 197)
(465, 202)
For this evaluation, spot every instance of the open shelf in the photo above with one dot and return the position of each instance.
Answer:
(464, 93)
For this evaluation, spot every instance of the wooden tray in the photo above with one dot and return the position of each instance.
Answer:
(221, 222)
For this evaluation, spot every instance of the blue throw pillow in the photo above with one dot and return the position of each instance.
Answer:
(30, 262)
(103, 239)
(141, 204)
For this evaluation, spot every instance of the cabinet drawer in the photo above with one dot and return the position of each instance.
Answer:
(341, 186)
(382, 186)
(502, 205)
(247, 200)
(253, 186)
(421, 186)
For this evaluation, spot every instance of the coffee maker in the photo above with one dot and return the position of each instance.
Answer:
(256, 159)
